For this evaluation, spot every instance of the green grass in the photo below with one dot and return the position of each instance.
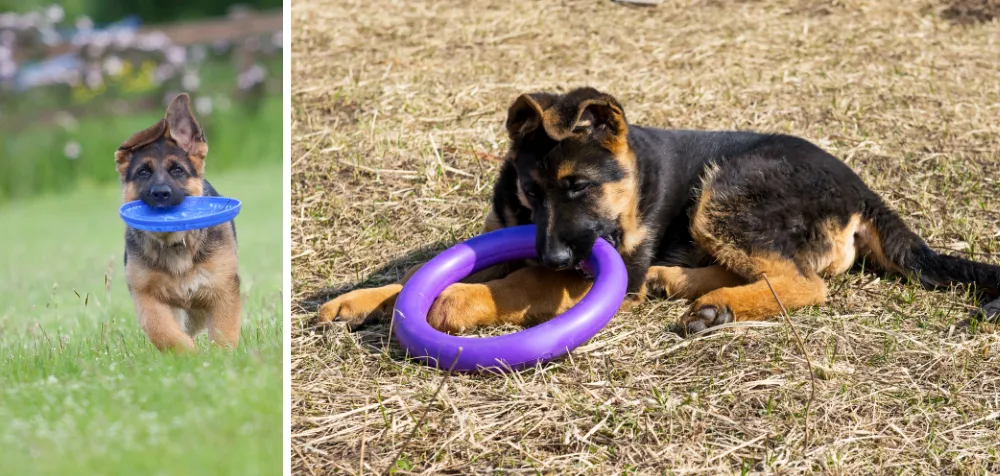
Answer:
(81, 389)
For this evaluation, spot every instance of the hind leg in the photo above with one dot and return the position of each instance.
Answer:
(989, 312)
(739, 219)
(224, 324)
(755, 301)
(676, 282)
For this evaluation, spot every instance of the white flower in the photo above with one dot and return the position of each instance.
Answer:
(7, 68)
(190, 81)
(67, 122)
(203, 105)
(251, 77)
(84, 23)
(198, 53)
(54, 13)
(72, 150)
(163, 73)
(175, 54)
(113, 65)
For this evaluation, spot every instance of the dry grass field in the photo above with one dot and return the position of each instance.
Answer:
(398, 111)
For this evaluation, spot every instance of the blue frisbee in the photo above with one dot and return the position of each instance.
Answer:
(193, 213)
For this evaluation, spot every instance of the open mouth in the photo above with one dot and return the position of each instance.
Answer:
(615, 238)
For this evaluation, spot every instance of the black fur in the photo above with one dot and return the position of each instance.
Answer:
(778, 192)
(931, 268)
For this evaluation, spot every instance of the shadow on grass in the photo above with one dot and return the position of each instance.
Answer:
(385, 274)
(374, 331)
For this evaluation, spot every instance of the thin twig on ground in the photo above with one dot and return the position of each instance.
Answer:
(423, 416)
(805, 354)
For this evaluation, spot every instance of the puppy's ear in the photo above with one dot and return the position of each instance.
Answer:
(124, 153)
(587, 111)
(184, 130)
(525, 115)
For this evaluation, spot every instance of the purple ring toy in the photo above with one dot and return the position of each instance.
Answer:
(541, 343)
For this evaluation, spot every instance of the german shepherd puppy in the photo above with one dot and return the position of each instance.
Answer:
(184, 282)
(699, 215)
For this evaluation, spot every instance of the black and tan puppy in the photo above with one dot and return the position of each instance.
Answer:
(184, 282)
(699, 215)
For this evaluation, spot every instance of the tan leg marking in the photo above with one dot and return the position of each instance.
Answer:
(690, 283)
(157, 320)
(356, 306)
(224, 327)
(526, 296)
(754, 301)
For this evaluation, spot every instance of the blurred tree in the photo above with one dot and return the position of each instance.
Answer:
(106, 11)
(73, 8)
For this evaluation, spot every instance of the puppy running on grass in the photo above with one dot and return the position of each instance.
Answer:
(717, 218)
(183, 282)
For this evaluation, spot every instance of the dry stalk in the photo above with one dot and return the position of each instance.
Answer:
(805, 354)
(423, 416)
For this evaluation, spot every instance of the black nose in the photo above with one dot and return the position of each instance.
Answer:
(558, 257)
(160, 193)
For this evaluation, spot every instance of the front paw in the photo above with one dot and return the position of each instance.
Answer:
(461, 308)
(633, 300)
(359, 308)
(704, 316)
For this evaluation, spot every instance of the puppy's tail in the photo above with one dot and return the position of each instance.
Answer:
(900, 250)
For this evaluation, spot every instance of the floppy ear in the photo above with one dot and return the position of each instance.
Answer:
(525, 115)
(184, 130)
(604, 121)
(124, 153)
(588, 112)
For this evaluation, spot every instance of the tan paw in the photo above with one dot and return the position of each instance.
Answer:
(461, 308)
(704, 316)
(632, 301)
(359, 307)
(656, 281)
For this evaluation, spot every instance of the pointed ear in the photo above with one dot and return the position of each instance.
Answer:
(525, 115)
(184, 130)
(604, 120)
(588, 112)
(124, 153)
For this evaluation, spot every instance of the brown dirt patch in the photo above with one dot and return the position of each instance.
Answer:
(971, 11)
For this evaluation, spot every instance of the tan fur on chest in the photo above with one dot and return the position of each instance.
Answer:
(172, 252)
(190, 289)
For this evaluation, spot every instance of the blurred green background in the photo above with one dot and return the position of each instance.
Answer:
(150, 11)
(66, 109)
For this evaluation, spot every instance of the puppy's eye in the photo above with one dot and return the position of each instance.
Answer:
(579, 187)
(529, 192)
(176, 171)
(143, 172)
